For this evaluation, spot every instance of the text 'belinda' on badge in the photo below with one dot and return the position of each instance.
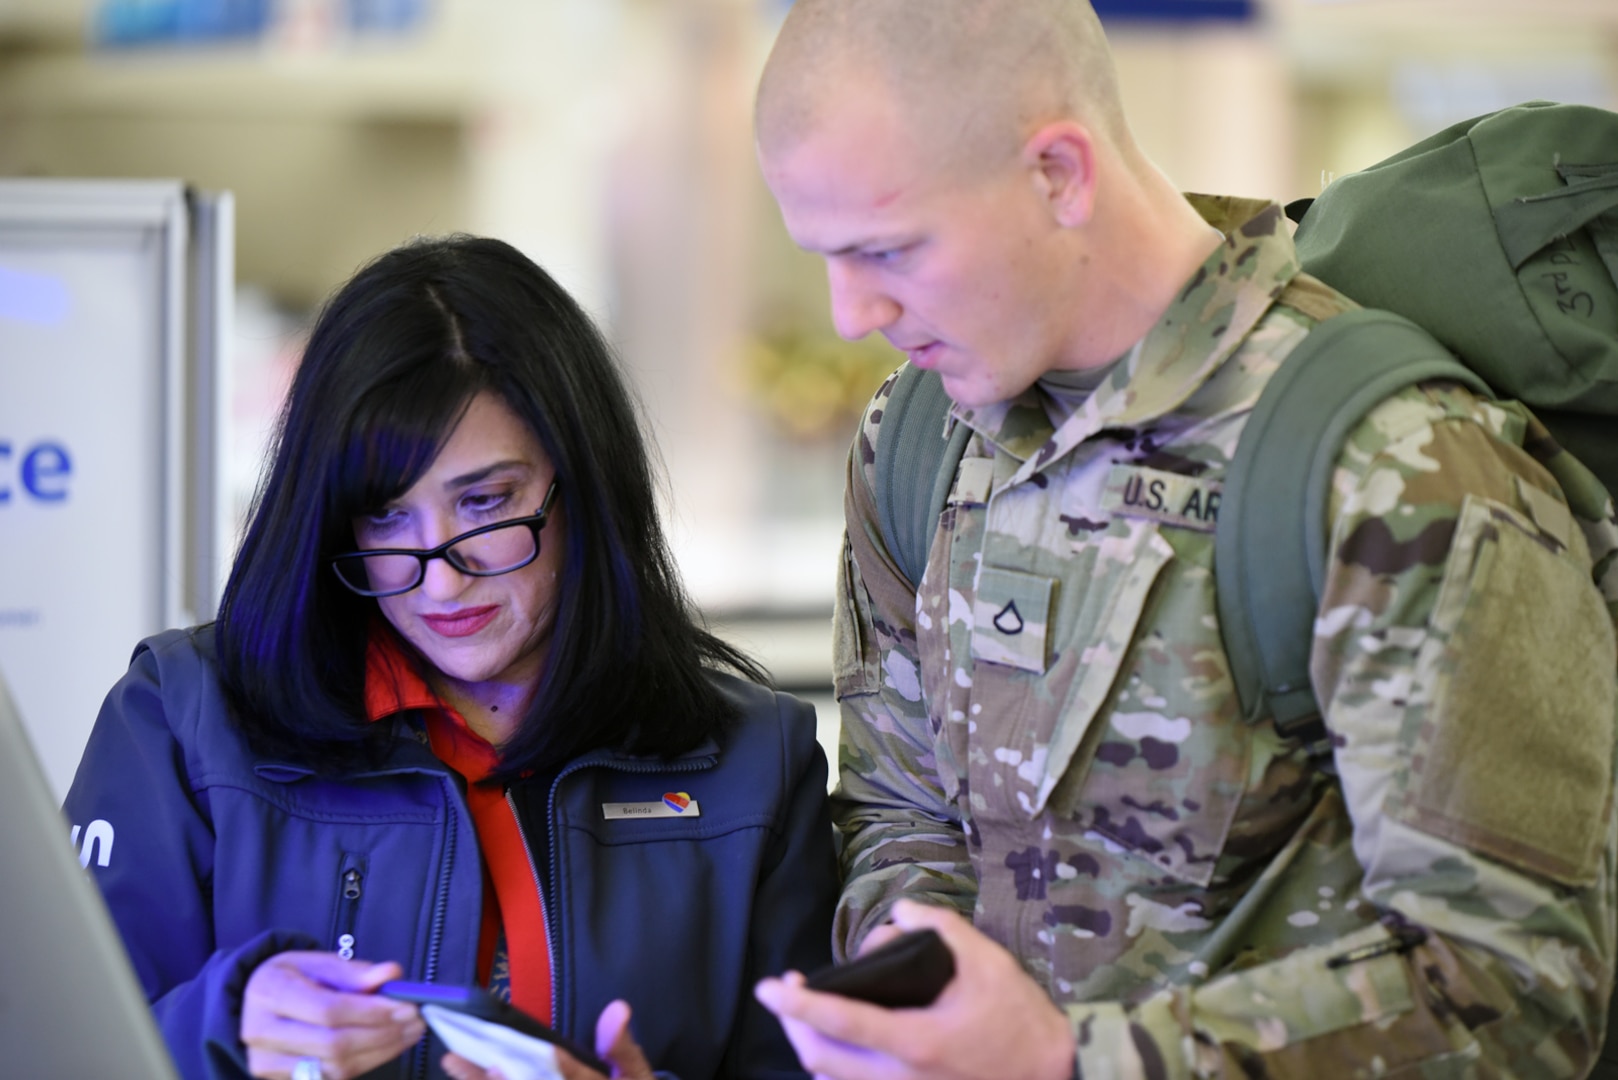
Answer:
(672, 804)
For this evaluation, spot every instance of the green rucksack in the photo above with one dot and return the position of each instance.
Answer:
(1497, 237)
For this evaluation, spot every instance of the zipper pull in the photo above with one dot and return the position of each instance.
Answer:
(353, 886)
(1406, 936)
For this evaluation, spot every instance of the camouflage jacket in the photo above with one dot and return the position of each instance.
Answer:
(1046, 736)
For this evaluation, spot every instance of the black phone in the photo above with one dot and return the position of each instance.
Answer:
(478, 1002)
(908, 972)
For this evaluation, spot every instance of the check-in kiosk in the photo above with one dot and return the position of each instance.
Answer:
(114, 522)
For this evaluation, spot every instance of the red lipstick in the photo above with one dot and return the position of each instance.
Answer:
(463, 623)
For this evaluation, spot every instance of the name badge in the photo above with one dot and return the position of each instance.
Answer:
(1173, 499)
(672, 804)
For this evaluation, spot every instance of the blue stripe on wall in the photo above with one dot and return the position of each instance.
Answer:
(1176, 10)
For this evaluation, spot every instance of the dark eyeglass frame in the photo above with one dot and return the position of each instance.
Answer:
(535, 522)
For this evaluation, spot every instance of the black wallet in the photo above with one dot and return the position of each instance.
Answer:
(908, 972)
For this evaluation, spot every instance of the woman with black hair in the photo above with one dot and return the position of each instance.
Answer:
(455, 723)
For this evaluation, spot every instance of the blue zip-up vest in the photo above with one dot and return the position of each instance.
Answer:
(214, 859)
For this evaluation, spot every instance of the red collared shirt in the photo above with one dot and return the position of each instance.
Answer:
(514, 901)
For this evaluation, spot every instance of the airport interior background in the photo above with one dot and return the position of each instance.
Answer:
(611, 141)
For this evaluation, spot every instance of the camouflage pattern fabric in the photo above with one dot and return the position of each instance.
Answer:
(1046, 736)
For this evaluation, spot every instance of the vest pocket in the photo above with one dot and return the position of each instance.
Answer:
(350, 891)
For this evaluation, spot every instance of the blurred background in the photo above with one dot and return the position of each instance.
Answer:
(611, 141)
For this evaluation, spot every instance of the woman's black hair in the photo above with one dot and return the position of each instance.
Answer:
(392, 362)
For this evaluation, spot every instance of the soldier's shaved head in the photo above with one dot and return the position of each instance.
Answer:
(972, 78)
(965, 170)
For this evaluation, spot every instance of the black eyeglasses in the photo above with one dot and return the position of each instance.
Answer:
(487, 551)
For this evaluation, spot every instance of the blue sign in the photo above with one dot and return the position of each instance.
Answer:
(139, 22)
(152, 22)
(42, 471)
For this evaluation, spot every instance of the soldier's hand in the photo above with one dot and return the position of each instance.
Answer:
(879, 936)
(991, 1021)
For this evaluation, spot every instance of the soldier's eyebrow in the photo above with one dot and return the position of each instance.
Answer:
(859, 247)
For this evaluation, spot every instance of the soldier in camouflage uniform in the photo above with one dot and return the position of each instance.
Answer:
(1044, 737)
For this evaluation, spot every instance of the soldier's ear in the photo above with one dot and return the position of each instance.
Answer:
(1061, 161)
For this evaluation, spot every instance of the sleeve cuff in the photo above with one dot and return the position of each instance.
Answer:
(1146, 1042)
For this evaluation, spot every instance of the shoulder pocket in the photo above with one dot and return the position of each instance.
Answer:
(1513, 758)
(855, 664)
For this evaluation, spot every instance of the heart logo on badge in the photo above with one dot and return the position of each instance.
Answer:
(676, 801)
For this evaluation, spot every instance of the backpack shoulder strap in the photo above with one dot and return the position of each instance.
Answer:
(1270, 541)
(915, 466)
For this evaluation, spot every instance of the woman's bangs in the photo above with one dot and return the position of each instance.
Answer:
(396, 432)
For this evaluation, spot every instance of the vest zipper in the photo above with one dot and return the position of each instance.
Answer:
(544, 909)
(435, 935)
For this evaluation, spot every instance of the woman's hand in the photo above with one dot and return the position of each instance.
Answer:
(317, 1005)
(614, 1044)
